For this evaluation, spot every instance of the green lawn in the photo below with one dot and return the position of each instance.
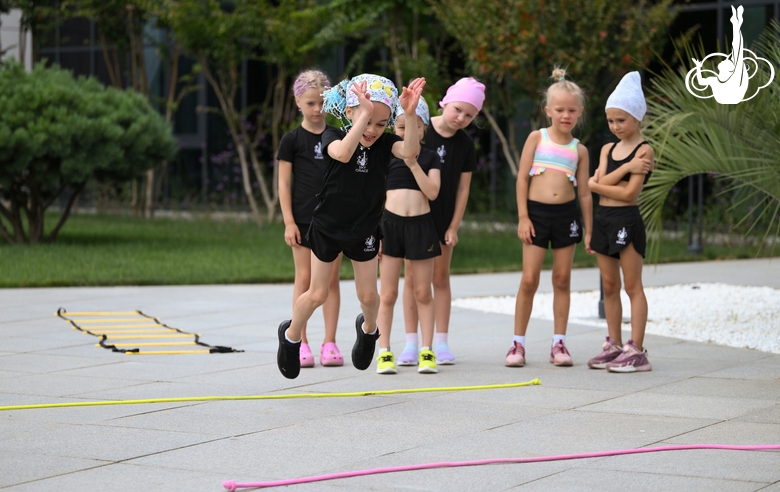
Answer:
(112, 250)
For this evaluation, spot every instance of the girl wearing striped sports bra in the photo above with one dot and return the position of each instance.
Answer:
(555, 163)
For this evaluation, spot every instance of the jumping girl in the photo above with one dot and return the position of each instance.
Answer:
(346, 218)
(618, 229)
(300, 156)
(457, 157)
(409, 232)
(548, 214)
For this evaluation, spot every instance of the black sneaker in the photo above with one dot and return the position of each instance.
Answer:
(363, 350)
(288, 357)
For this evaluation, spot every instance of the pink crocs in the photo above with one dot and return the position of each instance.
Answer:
(330, 355)
(307, 359)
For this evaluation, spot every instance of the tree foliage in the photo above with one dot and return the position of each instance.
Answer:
(514, 45)
(739, 143)
(59, 132)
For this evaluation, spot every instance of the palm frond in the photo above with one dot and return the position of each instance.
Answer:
(738, 143)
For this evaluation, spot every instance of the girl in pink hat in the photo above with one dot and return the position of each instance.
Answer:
(458, 160)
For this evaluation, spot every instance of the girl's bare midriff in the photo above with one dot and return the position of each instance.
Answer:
(407, 203)
(551, 187)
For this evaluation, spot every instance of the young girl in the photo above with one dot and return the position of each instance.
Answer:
(300, 154)
(346, 218)
(619, 232)
(409, 232)
(457, 157)
(548, 213)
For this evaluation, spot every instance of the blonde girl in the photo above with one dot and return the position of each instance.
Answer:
(556, 165)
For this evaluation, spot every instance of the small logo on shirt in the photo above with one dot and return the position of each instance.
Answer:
(430, 250)
(621, 236)
(362, 162)
(442, 152)
(318, 151)
(370, 244)
(575, 229)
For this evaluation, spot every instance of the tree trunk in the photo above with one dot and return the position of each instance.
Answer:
(226, 97)
(511, 154)
(65, 213)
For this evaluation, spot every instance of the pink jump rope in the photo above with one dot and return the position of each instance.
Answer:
(232, 485)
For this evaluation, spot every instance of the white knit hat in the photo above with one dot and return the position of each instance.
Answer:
(628, 96)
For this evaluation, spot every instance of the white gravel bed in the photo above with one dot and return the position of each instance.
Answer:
(732, 315)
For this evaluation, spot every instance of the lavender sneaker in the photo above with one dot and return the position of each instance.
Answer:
(409, 356)
(559, 355)
(516, 355)
(443, 354)
(630, 360)
(609, 352)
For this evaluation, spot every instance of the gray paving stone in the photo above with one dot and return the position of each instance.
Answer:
(716, 464)
(576, 479)
(769, 415)
(123, 477)
(647, 403)
(767, 368)
(20, 468)
(725, 388)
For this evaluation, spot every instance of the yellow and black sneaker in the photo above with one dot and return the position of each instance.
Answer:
(427, 361)
(385, 363)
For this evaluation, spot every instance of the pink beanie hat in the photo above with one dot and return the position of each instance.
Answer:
(466, 90)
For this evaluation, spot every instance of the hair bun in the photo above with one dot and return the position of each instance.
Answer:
(558, 74)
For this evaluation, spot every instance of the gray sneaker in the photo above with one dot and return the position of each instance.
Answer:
(609, 352)
(631, 360)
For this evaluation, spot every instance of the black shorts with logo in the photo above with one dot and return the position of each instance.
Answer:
(327, 249)
(558, 224)
(614, 228)
(413, 238)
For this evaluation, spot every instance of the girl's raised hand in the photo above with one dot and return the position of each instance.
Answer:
(410, 96)
(364, 98)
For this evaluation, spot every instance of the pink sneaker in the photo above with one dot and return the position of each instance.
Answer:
(559, 355)
(516, 355)
(307, 359)
(630, 360)
(330, 355)
(609, 352)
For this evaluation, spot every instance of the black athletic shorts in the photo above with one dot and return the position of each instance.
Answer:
(304, 230)
(327, 249)
(413, 238)
(556, 224)
(614, 228)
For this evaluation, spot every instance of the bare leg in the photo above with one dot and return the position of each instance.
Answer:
(442, 292)
(389, 273)
(330, 310)
(631, 262)
(313, 298)
(302, 259)
(533, 257)
(410, 306)
(613, 309)
(561, 281)
(423, 274)
(365, 285)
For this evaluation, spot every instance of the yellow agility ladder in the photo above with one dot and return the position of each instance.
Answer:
(113, 326)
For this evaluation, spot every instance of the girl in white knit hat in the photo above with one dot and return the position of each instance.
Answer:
(618, 230)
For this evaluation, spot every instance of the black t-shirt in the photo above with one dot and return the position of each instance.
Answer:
(353, 194)
(304, 150)
(400, 177)
(456, 155)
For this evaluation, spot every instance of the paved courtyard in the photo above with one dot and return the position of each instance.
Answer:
(697, 393)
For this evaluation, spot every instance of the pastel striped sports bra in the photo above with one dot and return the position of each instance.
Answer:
(550, 155)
